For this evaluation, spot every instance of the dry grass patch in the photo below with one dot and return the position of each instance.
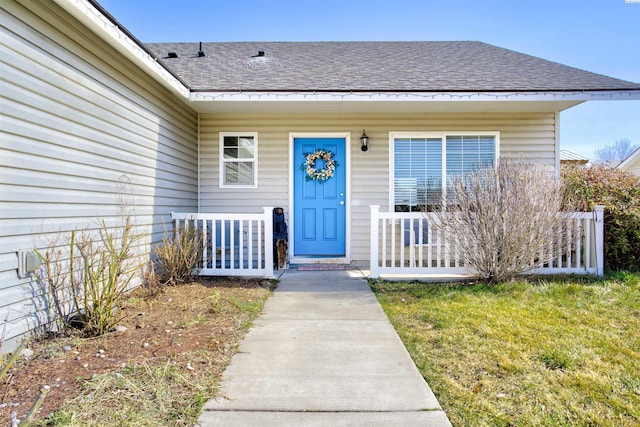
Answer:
(561, 352)
(160, 371)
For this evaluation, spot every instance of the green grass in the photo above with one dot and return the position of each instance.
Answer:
(544, 353)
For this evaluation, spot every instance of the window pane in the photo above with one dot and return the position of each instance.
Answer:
(238, 159)
(230, 141)
(468, 153)
(240, 173)
(418, 173)
(246, 148)
(418, 167)
(244, 153)
(239, 147)
(230, 153)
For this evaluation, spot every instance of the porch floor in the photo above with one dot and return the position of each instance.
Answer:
(323, 353)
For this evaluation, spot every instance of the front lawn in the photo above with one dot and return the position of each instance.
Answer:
(561, 352)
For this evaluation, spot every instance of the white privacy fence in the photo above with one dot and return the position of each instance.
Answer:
(412, 243)
(234, 244)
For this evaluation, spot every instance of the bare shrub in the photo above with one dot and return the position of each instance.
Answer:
(55, 281)
(108, 267)
(179, 256)
(150, 279)
(87, 276)
(502, 217)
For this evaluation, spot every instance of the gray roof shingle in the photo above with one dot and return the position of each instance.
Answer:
(438, 66)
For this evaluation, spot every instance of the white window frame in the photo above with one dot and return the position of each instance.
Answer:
(393, 135)
(222, 160)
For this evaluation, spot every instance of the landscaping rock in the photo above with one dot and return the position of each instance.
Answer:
(26, 353)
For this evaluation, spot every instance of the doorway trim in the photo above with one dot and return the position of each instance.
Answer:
(293, 165)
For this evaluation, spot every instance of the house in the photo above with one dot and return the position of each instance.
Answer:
(96, 124)
(570, 158)
(631, 163)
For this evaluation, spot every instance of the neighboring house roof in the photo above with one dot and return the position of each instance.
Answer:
(439, 66)
(630, 161)
(567, 156)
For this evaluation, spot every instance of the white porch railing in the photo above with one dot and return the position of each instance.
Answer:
(410, 243)
(234, 244)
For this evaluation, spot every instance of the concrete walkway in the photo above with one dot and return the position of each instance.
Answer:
(323, 353)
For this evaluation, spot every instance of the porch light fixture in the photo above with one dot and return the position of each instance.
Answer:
(364, 141)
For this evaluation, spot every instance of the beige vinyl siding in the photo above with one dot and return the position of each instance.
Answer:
(633, 167)
(525, 135)
(76, 119)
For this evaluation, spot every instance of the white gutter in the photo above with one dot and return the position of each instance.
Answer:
(416, 96)
(91, 17)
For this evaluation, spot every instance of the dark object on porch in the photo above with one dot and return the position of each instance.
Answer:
(280, 239)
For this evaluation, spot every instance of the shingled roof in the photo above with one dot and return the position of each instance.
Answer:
(440, 66)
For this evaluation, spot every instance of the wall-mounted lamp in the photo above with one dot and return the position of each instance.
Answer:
(364, 141)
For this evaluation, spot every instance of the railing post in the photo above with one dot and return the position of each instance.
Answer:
(175, 220)
(268, 242)
(373, 245)
(598, 217)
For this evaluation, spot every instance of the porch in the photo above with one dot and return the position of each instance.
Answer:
(412, 244)
(234, 244)
(402, 245)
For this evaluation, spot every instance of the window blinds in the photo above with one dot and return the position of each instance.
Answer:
(418, 169)
(421, 163)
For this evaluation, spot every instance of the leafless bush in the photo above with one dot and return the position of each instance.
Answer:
(87, 275)
(150, 279)
(108, 266)
(178, 257)
(55, 280)
(501, 218)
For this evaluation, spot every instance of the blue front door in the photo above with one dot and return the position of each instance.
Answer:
(319, 206)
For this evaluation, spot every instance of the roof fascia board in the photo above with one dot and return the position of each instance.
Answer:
(85, 12)
(266, 96)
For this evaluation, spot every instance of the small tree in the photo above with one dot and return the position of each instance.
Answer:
(616, 152)
(501, 217)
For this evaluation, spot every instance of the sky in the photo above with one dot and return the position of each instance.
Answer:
(601, 36)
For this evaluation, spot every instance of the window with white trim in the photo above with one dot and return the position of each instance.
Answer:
(425, 163)
(239, 159)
